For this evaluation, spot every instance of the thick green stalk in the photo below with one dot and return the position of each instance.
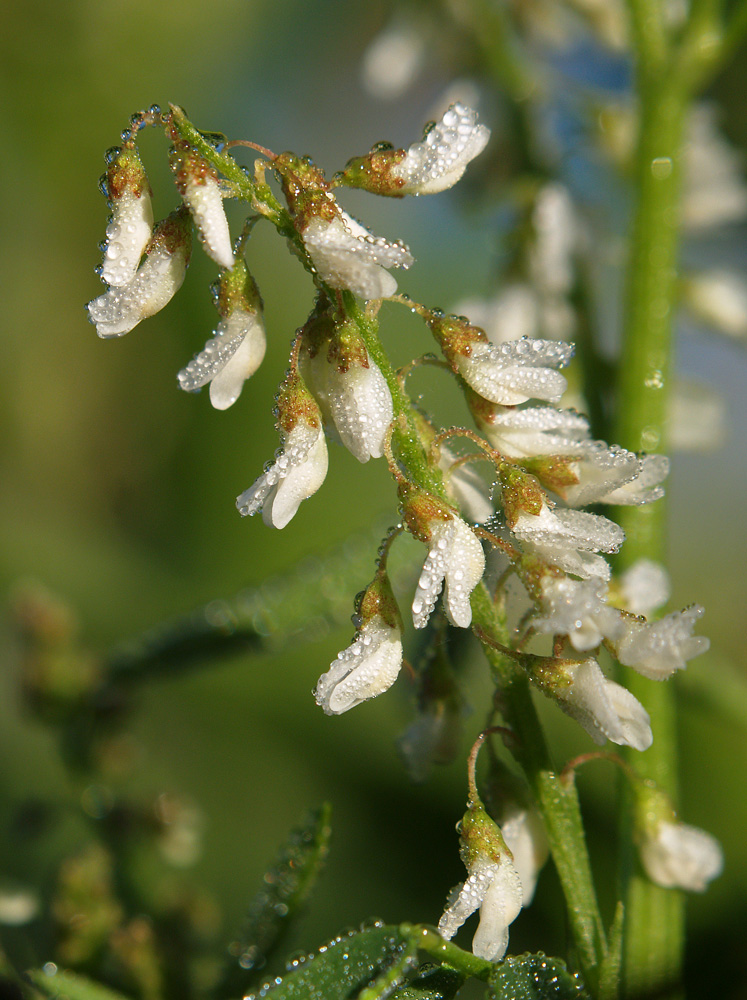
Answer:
(654, 917)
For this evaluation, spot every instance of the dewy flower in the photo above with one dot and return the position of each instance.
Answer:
(537, 430)
(577, 608)
(370, 664)
(493, 886)
(606, 710)
(568, 539)
(156, 281)
(345, 255)
(237, 347)
(456, 562)
(467, 487)
(438, 161)
(348, 385)
(199, 187)
(515, 371)
(613, 475)
(659, 649)
(131, 223)
(299, 469)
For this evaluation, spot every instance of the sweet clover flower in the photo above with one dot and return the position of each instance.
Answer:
(577, 609)
(156, 281)
(131, 223)
(199, 187)
(455, 562)
(678, 856)
(569, 538)
(659, 649)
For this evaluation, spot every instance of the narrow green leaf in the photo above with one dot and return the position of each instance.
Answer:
(610, 969)
(285, 887)
(343, 968)
(54, 983)
(534, 977)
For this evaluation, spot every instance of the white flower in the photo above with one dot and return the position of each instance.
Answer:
(156, 281)
(719, 298)
(556, 236)
(513, 372)
(368, 667)
(678, 856)
(644, 587)
(393, 60)
(439, 160)
(201, 194)
(494, 887)
(577, 608)
(606, 710)
(456, 562)
(524, 833)
(567, 538)
(644, 487)
(296, 474)
(231, 356)
(356, 402)
(131, 224)
(715, 192)
(345, 255)
(536, 431)
(658, 649)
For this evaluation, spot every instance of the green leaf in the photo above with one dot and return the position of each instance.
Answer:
(285, 888)
(609, 970)
(431, 983)
(534, 977)
(71, 986)
(347, 965)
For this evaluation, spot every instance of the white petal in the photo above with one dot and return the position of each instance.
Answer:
(645, 486)
(600, 470)
(296, 474)
(682, 856)
(658, 649)
(368, 667)
(537, 430)
(513, 372)
(439, 160)
(471, 895)
(500, 907)
(346, 255)
(524, 834)
(578, 609)
(464, 569)
(361, 407)
(205, 202)
(159, 277)
(645, 587)
(606, 710)
(230, 357)
(127, 236)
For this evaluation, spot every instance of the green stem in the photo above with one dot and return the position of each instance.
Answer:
(654, 917)
(557, 800)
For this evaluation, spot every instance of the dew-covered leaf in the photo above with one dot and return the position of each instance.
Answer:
(431, 982)
(286, 885)
(343, 968)
(59, 983)
(534, 977)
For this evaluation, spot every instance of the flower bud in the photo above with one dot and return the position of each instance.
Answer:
(131, 223)
(199, 187)
(236, 349)
(156, 281)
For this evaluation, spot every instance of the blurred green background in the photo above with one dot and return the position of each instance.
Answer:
(116, 490)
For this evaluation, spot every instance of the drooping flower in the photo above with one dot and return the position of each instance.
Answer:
(569, 538)
(345, 255)
(524, 834)
(236, 349)
(659, 649)
(156, 281)
(577, 609)
(682, 857)
(438, 161)
(644, 587)
(199, 187)
(348, 385)
(300, 467)
(606, 710)
(537, 430)
(131, 223)
(455, 562)
(513, 372)
(493, 886)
